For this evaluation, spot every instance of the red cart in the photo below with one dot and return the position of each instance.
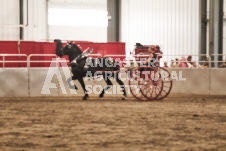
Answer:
(149, 83)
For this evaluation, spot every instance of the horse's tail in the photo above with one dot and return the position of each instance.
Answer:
(59, 51)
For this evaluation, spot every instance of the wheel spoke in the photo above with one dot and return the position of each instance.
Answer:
(166, 83)
(166, 86)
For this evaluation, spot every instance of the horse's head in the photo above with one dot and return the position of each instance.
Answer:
(71, 49)
(59, 49)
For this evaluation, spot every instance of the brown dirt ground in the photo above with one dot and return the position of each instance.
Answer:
(68, 123)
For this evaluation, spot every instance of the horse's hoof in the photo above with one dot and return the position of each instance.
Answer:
(123, 98)
(84, 98)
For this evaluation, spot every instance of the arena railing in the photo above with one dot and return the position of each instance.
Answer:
(38, 61)
(95, 55)
(167, 58)
(183, 59)
(217, 63)
(50, 55)
(127, 59)
(138, 56)
(115, 55)
(12, 55)
(124, 61)
(211, 62)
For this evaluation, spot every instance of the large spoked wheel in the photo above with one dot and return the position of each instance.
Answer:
(167, 83)
(151, 84)
(134, 85)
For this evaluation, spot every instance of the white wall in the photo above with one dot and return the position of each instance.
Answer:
(37, 20)
(173, 24)
(37, 24)
(95, 34)
(79, 33)
(9, 15)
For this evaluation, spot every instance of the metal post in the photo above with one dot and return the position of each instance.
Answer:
(21, 19)
(203, 28)
(113, 31)
(47, 19)
(3, 61)
(216, 31)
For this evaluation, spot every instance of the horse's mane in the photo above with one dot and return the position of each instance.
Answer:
(76, 47)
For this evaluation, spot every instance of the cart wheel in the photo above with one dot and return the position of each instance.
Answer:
(151, 83)
(167, 83)
(134, 86)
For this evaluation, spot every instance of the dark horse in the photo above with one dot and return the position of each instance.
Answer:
(80, 67)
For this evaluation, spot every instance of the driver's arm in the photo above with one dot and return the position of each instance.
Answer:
(149, 59)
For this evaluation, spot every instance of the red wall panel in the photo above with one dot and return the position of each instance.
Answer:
(30, 47)
(44, 48)
(9, 47)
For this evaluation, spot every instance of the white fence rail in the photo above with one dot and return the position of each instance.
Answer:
(165, 58)
(3, 61)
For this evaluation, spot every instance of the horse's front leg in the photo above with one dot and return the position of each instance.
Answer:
(81, 81)
(69, 83)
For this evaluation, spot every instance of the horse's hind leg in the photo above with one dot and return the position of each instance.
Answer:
(81, 81)
(109, 84)
(119, 81)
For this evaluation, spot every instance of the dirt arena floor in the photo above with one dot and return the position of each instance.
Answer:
(67, 123)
